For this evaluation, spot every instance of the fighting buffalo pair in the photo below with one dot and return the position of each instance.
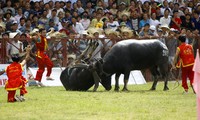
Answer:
(123, 57)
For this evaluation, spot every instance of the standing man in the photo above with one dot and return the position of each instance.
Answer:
(186, 54)
(41, 56)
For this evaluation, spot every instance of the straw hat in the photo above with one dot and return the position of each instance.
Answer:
(73, 56)
(111, 31)
(127, 13)
(13, 34)
(58, 35)
(128, 30)
(2, 25)
(93, 30)
(164, 26)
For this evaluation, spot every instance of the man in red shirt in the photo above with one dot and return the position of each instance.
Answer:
(41, 56)
(186, 54)
(15, 79)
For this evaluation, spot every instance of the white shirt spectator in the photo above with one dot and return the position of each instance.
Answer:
(114, 25)
(154, 22)
(85, 23)
(164, 20)
(78, 28)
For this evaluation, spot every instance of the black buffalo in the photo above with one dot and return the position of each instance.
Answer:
(81, 78)
(129, 55)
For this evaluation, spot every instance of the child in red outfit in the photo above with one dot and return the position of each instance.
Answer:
(15, 79)
(186, 54)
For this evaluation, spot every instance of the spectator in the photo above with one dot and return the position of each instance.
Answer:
(97, 22)
(153, 20)
(196, 21)
(58, 8)
(78, 28)
(112, 24)
(144, 20)
(68, 6)
(135, 20)
(28, 28)
(27, 10)
(166, 19)
(176, 21)
(15, 46)
(114, 9)
(9, 6)
(18, 15)
(79, 7)
(124, 17)
(145, 32)
(54, 16)
(187, 22)
(21, 25)
(85, 21)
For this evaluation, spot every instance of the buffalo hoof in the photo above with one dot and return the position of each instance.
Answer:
(116, 89)
(165, 89)
(153, 89)
(125, 90)
(94, 90)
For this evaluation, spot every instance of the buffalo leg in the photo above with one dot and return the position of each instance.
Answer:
(126, 76)
(96, 80)
(155, 73)
(155, 81)
(164, 71)
(117, 75)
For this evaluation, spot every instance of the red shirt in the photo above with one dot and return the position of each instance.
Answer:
(186, 55)
(14, 73)
(41, 45)
(173, 25)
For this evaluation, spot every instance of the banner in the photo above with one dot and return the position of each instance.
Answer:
(4, 78)
(135, 77)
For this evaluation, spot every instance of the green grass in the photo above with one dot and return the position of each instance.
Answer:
(54, 103)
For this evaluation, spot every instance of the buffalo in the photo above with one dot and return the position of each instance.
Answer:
(81, 77)
(131, 54)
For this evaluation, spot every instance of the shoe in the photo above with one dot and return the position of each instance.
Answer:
(22, 98)
(40, 84)
(49, 78)
(185, 92)
(18, 98)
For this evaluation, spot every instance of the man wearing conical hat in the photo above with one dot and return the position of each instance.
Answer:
(126, 33)
(15, 46)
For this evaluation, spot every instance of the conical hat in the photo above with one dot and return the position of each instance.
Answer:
(13, 34)
(126, 29)
(111, 31)
(125, 12)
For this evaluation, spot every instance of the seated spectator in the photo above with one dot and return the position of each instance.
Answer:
(21, 25)
(78, 28)
(97, 22)
(15, 46)
(144, 21)
(176, 21)
(146, 33)
(9, 6)
(112, 24)
(166, 19)
(18, 15)
(85, 21)
(124, 17)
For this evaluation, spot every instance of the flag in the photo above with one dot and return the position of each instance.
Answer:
(196, 84)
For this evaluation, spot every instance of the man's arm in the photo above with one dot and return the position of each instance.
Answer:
(175, 59)
(2, 72)
(28, 49)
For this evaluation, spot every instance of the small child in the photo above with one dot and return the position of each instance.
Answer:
(15, 79)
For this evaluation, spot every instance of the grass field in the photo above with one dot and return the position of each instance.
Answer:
(54, 103)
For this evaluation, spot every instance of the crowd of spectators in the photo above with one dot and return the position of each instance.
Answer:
(145, 19)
